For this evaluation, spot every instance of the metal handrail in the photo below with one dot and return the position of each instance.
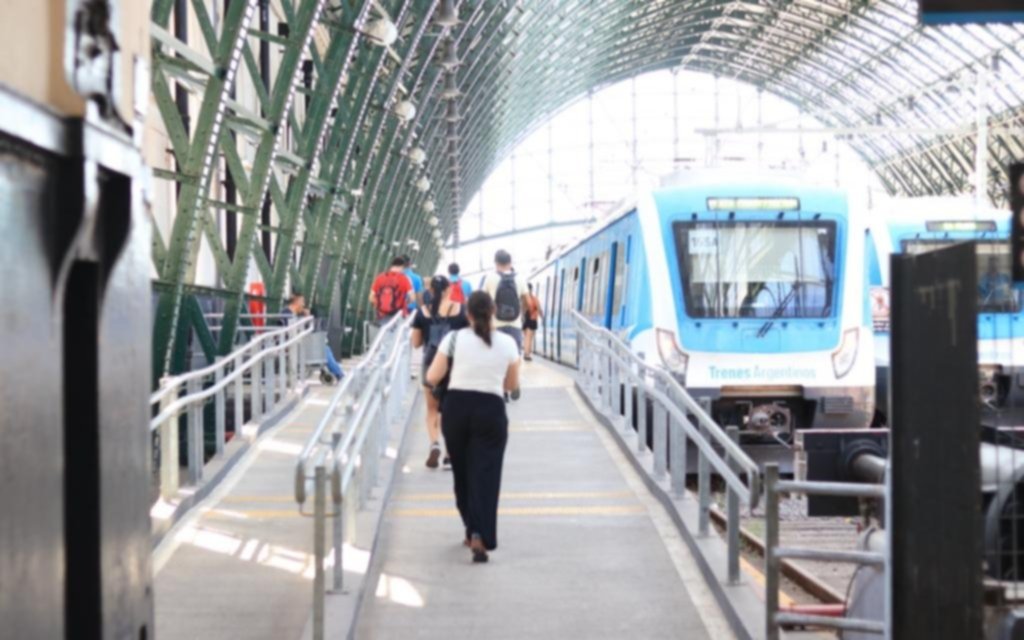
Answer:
(351, 381)
(606, 365)
(716, 435)
(274, 364)
(291, 334)
(345, 447)
(168, 383)
(774, 554)
(268, 316)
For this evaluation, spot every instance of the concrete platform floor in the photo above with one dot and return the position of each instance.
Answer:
(585, 551)
(240, 565)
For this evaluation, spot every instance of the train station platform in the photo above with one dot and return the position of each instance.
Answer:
(585, 549)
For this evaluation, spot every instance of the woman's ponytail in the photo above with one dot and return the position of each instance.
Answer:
(481, 312)
(438, 285)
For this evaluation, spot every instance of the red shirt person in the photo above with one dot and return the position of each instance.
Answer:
(390, 291)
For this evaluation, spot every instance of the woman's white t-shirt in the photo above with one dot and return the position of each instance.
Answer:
(478, 367)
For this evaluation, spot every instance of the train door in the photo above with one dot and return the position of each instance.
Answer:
(558, 317)
(549, 287)
(614, 260)
(573, 302)
(592, 289)
(581, 285)
(598, 290)
(617, 309)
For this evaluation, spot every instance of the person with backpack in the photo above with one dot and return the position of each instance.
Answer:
(389, 295)
(510, 295)
(479, 363)
(531, 316)
(429, 327)
(416, 280)
(461, 289)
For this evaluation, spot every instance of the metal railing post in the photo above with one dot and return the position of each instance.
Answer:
(239, 397)
(271, 389)
(338, 539)
(169, 466)
(703, 486)
(219, 408)
(605, 376)
(614, 393)
(641, 413)
(282, 371)
(659, 435)
(294, 363)
(194, 435)
(319, 549)
(627, 392)
(733, 513)
(289, 363)
(677, 452)
(771, 543)
(256, 391)
(592, 360)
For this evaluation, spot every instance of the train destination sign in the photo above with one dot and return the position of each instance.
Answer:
(753, 204)
(972, 226)
(970, 11)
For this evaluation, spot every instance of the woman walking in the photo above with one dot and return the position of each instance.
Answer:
(429, 326)
(484, 365)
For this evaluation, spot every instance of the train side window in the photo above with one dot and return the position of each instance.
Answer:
(594, 287)
(545, 299)
(619, 291)
(578, 287)
(561, 298)
(570, 295)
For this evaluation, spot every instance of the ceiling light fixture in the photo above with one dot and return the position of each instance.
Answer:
(417, 156)
(447, 15)
(405, 110)
(381, 31)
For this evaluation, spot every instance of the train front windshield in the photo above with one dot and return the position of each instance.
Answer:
(995, 285)
(757, 269)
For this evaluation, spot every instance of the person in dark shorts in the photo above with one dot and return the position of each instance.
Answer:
(484, 362)
(531, 315)
(429, 326)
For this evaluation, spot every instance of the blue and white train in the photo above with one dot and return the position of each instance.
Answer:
(915, 225)
(752, 292)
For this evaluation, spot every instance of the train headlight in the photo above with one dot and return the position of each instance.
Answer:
(668, 348)
(845, 356)
(988, 382)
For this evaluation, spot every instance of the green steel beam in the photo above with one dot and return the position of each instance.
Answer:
(282, 98)
(199, 163)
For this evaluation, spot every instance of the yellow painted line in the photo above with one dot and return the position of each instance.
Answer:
(610, 510)
(758, 577)
(521, 495)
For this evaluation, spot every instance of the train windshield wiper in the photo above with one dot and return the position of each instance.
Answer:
(779, 309)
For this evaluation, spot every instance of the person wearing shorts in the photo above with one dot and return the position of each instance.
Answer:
(531, 315)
